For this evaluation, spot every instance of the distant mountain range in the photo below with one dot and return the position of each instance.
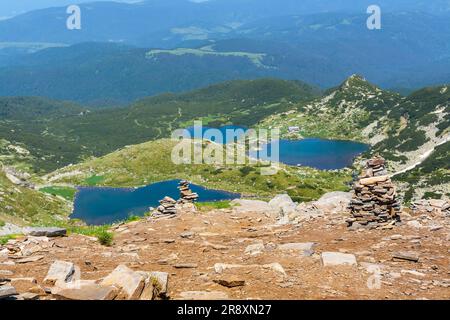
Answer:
(190, 45)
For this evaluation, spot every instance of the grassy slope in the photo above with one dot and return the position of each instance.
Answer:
(24, 206)
(150, 162)
(432, 175)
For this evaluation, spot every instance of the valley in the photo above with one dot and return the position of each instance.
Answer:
(225, 150)
(67, 145)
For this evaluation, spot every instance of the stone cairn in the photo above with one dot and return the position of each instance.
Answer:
(186, 194)
(167, 206)
(374, 202)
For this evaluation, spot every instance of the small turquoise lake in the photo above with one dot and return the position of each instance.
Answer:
(100, 205)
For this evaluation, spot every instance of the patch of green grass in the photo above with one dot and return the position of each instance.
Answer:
(65, 192)
(2, 223)
(91, 231)
(105, 238)
(4, 239)
(207, 206)
(132, 219)
(94, 180)
(102, 233)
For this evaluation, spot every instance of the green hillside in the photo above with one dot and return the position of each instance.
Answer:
(24, 206)
(57, 134)
(404, 130)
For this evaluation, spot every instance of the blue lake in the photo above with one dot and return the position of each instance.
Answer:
(316, 153)
(99, 205)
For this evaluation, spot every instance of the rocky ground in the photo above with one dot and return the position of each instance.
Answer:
(245, 252)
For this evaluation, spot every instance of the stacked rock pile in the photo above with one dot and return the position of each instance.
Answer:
(374, 202)
(167, 206)
(186, 194)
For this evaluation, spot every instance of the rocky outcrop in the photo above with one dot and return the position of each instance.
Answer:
(18, 178)
(438, 207)
(45, 232)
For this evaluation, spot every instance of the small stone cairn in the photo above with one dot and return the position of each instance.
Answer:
(167, 206)
(374, 203)
(186, 194)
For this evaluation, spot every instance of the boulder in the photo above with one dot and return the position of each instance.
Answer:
(59, 270)
(283, 204)
(130, 282)
(243, 206)
(162, 280)
(338, 259)
(305, 249)
(334, 202)
(7, 291)
(156, 285)
(45, 232)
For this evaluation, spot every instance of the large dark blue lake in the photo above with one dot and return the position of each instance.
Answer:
(99, 205)
(316, 153)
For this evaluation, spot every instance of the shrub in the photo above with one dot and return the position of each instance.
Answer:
(2, 223)
(105, 238)
(246, 170)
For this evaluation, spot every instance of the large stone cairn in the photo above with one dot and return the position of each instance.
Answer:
(374, 203)
(167, 206)
(186, 194)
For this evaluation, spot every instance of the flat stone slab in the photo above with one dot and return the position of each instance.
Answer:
(306, 249)
(45, 232)
(59, 270)
(132, 283)
(29, 259)
(87, 291)
(230, 282)
(373, 180)
(7, 291)
(405, 255)
(338, 259)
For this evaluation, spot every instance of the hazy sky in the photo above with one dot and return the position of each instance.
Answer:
(14, 7)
